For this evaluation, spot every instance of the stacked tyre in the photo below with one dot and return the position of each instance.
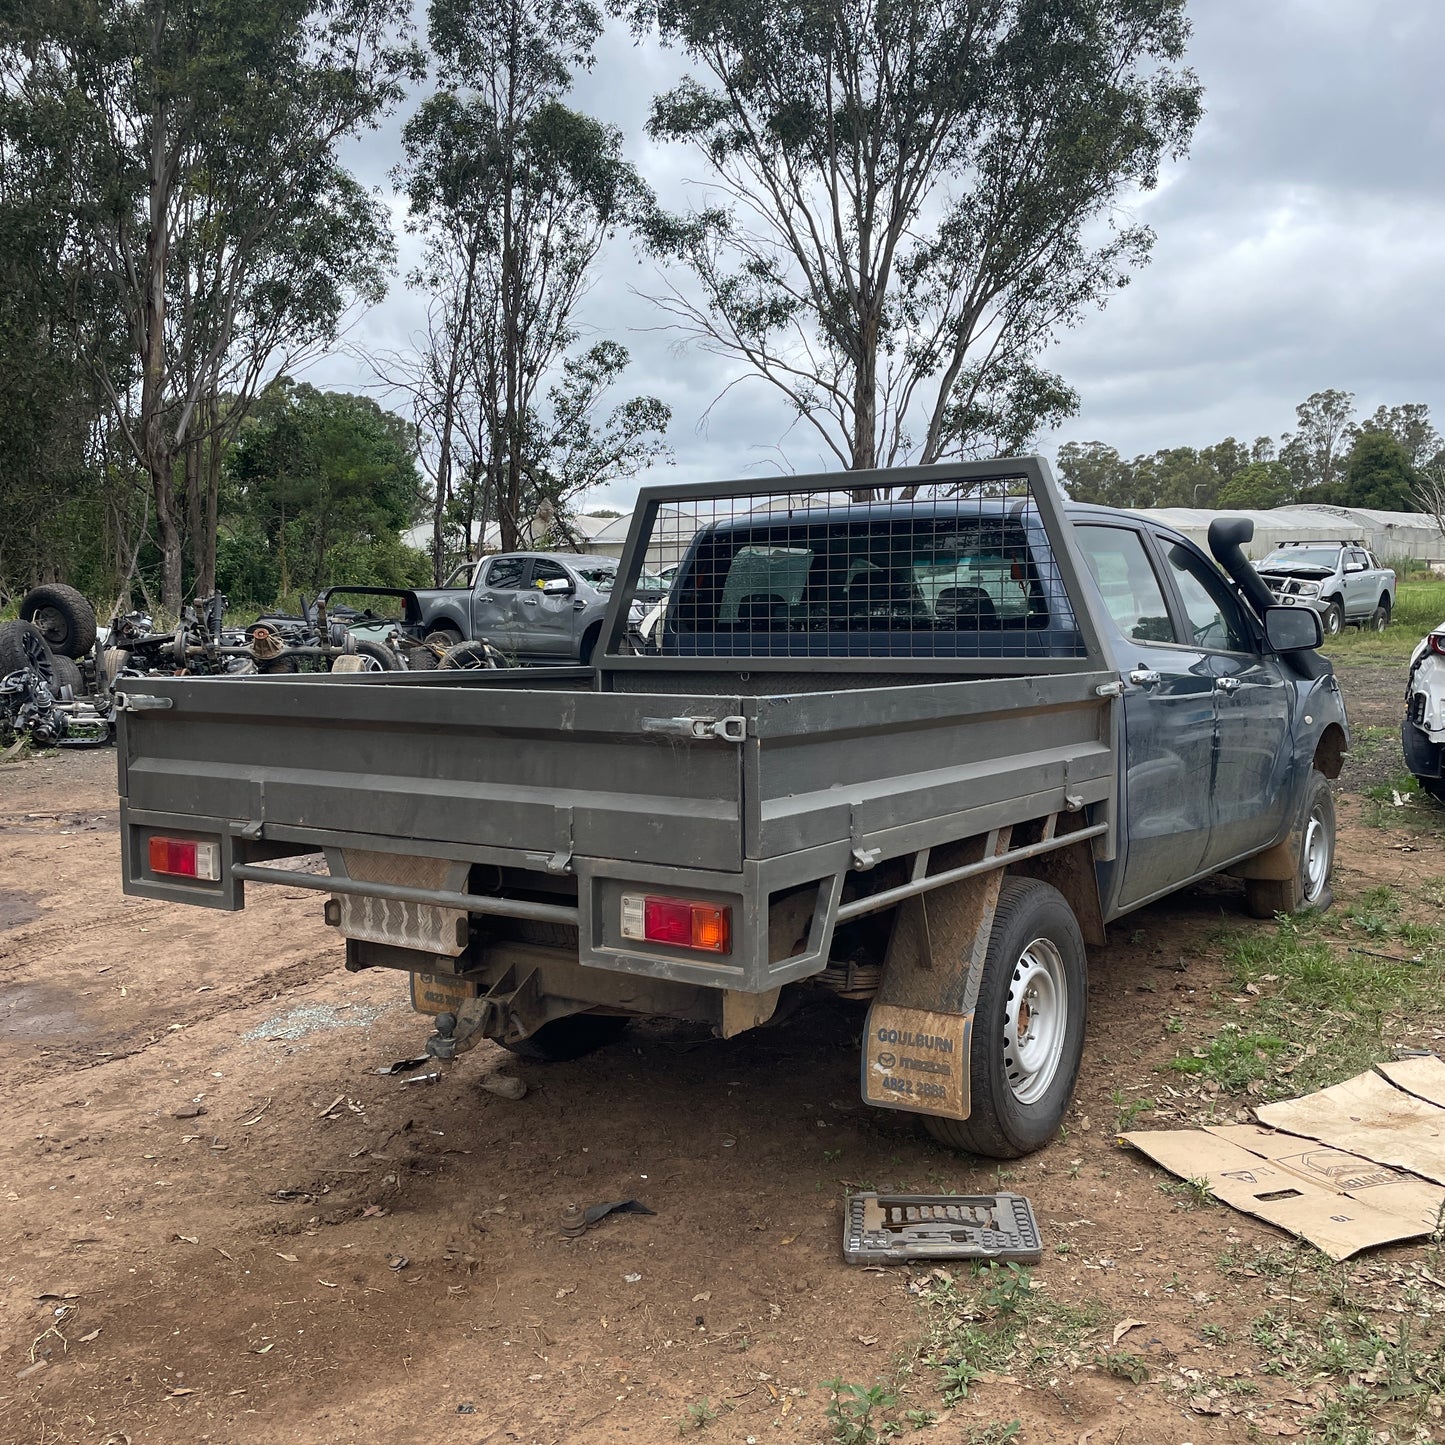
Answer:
(62, 617)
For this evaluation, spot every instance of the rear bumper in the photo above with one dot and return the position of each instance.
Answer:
(1423, 757)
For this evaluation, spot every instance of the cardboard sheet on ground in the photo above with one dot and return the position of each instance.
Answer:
(1370, 1115)
(1339, 1202)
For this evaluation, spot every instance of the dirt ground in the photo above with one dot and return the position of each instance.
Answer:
(219, 1222)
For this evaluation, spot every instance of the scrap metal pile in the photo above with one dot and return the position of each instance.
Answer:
(60, 673)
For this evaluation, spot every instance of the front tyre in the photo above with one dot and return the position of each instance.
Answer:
(1028, 1026)
(1334, 620)
(1314, 861)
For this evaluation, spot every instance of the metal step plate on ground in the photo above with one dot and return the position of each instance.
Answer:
(895, 1228)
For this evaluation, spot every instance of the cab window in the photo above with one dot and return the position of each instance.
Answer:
(506, 572)
(1127, 582)
(1213, 615)
(546, 571)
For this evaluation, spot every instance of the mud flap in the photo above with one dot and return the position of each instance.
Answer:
(917, 1060)
(916, 1050)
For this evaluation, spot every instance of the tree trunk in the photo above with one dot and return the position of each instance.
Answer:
(161, 465)
(206, 563)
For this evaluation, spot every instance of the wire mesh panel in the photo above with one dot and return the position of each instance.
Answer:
(953, 566)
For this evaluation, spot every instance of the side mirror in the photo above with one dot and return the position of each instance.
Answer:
(1354, 566)
(1292, 629)
(557, 587)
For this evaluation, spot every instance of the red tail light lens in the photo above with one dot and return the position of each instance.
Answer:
(1437, 643)
(185, 858)
(677, 922)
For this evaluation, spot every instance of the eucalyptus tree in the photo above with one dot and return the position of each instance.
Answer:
(210, 210)
(516, 194)
(911, 197)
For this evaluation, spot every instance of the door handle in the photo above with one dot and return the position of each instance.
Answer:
(1144, 677)
(530, 601)
(1226, 684)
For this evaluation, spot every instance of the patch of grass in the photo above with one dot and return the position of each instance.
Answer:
(1331, 994)
(1191, 1193)
(1234, 1059)
(1125, 1366)
(1419, 606)
(1382, 811)
(998, 1318)
(1129, 1109)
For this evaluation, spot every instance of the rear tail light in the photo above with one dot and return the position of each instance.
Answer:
(677, 922)
(185, 858)
(1437, 643)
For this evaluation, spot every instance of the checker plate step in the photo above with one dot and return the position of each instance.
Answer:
(894, 1228)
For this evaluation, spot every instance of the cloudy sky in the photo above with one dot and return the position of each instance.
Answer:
(1301, 246)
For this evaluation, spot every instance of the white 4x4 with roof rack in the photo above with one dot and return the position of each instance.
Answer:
(1342, 581)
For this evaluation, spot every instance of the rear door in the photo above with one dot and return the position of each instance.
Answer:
(1252, 702)
(1168, 717)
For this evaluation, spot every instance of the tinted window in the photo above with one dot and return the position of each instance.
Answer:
(1212, 613)
(1131, 591)
(545, 571)
(506, 572)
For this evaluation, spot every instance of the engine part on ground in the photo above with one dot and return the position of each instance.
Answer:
(895, 1228)
(65, 619)
(31, 706)
(266, 642)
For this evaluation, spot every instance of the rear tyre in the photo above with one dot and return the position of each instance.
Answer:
(1334, 620)
(1310, 885)
(65, 619)
(1380, 618)
(568, 1038)
(23, 645)
(1028, 1026)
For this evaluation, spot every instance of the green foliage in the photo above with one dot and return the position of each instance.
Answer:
(1378, 473)
(327, 479)
(890, 253)
(853, 1411)
(1386, 461)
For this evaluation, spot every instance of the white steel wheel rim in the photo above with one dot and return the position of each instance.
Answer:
(1333, 622)
(1036, 1016)
(1316, 855)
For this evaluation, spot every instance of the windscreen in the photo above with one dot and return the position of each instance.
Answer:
(1284, 558)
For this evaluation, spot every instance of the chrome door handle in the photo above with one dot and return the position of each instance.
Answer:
(530, 601)
(1226, 684)
(1144, 677)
